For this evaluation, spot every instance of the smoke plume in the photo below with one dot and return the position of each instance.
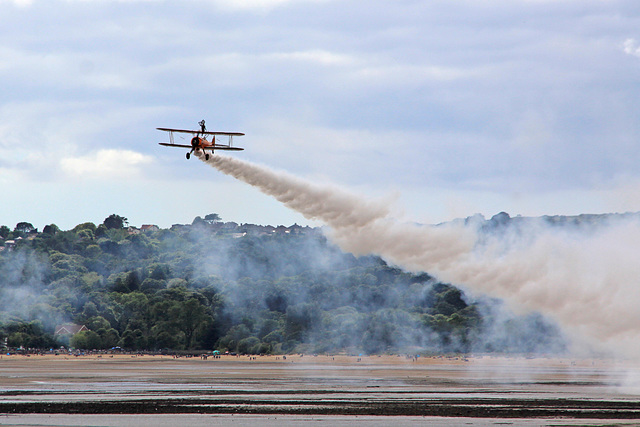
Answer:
(586, 280)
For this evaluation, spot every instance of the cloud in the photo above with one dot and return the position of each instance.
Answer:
(433, 97)
(258, 4)
(106, 163)
(73, 71)
(19, 3)
(631, 47)
(321, 57)
(239, 5)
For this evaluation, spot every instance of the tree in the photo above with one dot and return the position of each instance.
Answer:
(114, 221)
(87, 340)
(85, 234)
(25, 227)
(90, 310)
(165, 334)
(4, 231)
(101, 231)
(212, 218)
(234, 336)
(133, 339)
(198, 221)
(18, 339)
(109, 337)
(96, 323)
(249, 345)
(192, 315)
(50, 229)
(85, 226)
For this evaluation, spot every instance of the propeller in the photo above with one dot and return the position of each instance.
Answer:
(194, 145)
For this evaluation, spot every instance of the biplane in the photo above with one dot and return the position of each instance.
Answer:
(199, 141)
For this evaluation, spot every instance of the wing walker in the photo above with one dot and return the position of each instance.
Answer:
(199, 141)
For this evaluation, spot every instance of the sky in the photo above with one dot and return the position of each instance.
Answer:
(447, 108)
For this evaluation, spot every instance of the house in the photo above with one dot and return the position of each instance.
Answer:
(149, 227)
(229, 226)
(296, 229)
(281, 229)
(180, 227)
(133, 230)
(69, 329)
(253, 230)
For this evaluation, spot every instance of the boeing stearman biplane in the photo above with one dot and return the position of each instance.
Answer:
(199, 141)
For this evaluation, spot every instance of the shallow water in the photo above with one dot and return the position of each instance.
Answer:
(285, 421)
(326, 390)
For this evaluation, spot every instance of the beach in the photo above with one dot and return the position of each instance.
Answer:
(154, 390)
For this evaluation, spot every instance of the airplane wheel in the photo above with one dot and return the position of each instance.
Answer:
(206, 156)
(188, 155)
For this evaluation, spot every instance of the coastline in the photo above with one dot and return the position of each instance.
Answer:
(480, 387)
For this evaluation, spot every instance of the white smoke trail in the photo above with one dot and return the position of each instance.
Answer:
(586, 282)
(330, 205)
(357, 225)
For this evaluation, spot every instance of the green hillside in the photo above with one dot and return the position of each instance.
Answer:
(239, 288)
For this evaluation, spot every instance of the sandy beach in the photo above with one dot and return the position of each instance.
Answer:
(115, 390)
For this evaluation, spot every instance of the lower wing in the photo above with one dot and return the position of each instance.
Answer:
(208, 147)
(166, 144)
(222, 147)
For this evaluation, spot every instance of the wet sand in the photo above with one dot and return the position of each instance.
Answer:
(329, 390)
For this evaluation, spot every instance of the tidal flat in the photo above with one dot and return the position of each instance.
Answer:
(146, 390)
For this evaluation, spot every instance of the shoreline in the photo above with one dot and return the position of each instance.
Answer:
(339, 359)
(475, 387)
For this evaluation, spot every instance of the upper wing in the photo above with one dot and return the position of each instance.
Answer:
(193, 132)
(224, 133)
(178, 130)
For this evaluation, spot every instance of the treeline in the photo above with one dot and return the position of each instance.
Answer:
(239, 288)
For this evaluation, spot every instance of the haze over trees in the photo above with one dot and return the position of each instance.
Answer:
(239, 288)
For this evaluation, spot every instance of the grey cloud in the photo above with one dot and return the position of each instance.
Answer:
(518, 96)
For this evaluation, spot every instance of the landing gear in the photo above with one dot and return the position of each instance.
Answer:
(206, 156)
(188, 155)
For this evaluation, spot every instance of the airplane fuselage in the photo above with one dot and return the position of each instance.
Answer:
(201, 143)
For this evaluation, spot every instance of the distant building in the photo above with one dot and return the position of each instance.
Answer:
(255, 230)
(229, 225)
(281, 229)
(69, 329)
(180, 227)
(149, 227)
(133, 230)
